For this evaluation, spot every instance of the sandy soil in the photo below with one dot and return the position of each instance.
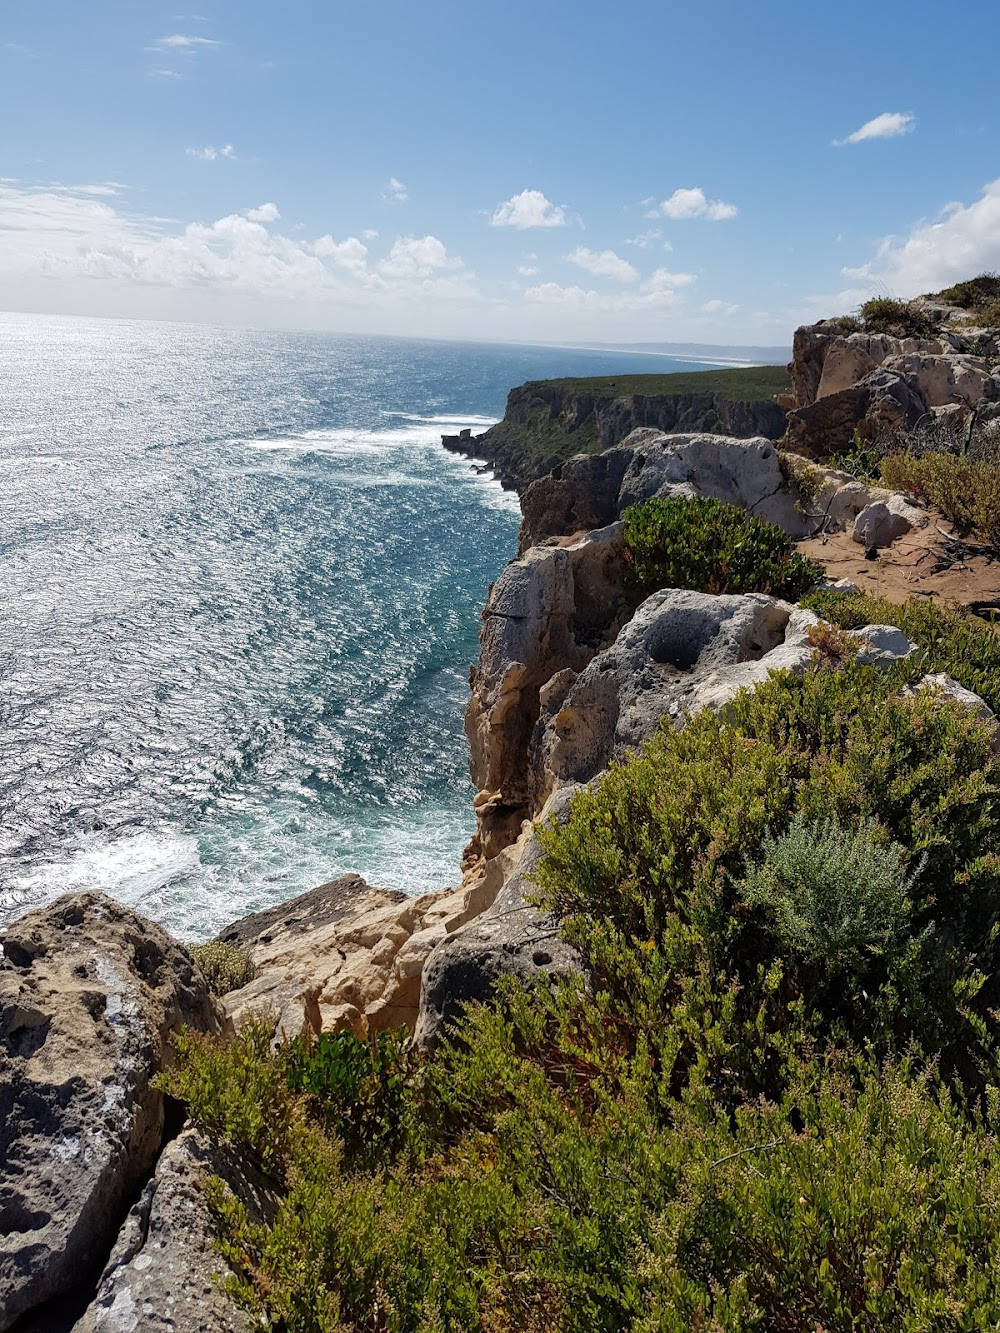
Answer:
(921, 564)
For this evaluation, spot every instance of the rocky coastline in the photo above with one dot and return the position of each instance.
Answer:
(104, 1226)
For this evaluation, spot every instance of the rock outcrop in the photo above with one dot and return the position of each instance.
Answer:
(90, 994)
(165, 1271)
(344, 955)
(592, 492)
(876, 383)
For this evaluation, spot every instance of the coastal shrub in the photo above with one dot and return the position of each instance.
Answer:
(974, 293)
(708, 546)
(862, 459)
(831, 896)
(226, 967)
(364, 1091)
(967, 491)
(950, 639)
(645, 875)
(900, 319)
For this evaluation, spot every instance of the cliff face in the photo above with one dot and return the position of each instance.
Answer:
(547, 422)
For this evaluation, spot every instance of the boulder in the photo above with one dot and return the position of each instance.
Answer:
(881, 522)
(90, 994)
(878, 404)
(165, 1272)
(881, 645)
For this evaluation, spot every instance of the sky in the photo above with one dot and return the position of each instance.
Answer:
(561, 170)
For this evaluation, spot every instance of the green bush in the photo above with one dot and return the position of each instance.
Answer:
(708, 546)
(836, 898)
(226, 967)
(967, 491)
(901, 319)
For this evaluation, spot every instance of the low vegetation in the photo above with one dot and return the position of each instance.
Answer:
(966, 490)
(708, 546)
(226, 966)
(976, 294)
(741, 384)
(768, 1101)
(900, 319)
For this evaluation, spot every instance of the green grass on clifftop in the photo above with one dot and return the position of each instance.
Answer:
(746, 384)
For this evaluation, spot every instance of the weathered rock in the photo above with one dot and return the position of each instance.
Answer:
(511, 938)
(90, 994)
(165, 1272)
(881, 645)
(949, 688)
(878, 404)
(593, 491)
(548, 612)
(880, 523)
(682, 651)
(944, 379)
(343, 956)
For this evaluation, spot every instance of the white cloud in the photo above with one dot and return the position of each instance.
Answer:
(369, 234)
(210, 154)
(647, 238)
(351, 254)
(396, 192)
(417, 257)
(718, 307)
(528, 270)
(889, 125)
(181, 42)
(164, 74)
(964, 241)
(529, 209)
(263, 213)
(684, 205)
(661, 291)
(66, 235)
(603, 264)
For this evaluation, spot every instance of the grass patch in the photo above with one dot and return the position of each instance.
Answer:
(226, 967)
(974, 293)
(745, 384)
(900, 319)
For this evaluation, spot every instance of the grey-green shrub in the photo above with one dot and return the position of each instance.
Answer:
(833, 895)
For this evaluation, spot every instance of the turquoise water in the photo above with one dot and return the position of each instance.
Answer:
(240, 594)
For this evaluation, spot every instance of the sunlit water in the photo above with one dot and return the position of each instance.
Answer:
(240, 589)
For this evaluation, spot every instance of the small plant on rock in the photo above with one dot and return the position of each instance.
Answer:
(900, 319)
(226, 967)
(705, 545)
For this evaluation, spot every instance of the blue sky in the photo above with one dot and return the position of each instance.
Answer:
(555, 170)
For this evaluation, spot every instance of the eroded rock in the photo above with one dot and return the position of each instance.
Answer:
(344, 955)
(90, 994)
(165, 1272)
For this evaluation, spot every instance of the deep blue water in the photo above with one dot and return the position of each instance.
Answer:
(240, 588)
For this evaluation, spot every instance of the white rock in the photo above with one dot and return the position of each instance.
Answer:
(881, 645)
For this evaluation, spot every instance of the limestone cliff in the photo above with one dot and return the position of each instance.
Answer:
(548, 421)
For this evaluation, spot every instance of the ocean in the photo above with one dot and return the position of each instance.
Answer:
(240, 591)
